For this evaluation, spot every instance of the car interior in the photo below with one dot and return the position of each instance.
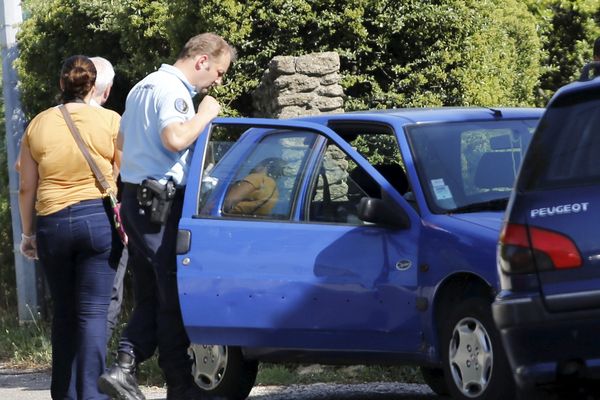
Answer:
(337, 193)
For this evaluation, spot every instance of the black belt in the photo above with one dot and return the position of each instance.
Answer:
(133, 188)
(130, 186)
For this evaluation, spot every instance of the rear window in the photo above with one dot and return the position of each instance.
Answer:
(565, 149)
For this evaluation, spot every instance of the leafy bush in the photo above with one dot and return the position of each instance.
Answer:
(394, 53)
(567, 29)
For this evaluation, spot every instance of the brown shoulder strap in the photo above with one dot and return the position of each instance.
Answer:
(80, 143)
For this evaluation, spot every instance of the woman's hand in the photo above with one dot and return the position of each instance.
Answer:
(28, 246)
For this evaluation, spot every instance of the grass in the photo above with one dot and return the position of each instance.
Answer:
(28, 346)
(25, 345)
(290, 374)
(294, 374)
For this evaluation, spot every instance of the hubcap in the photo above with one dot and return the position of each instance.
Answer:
(471, 357)
(209, 364)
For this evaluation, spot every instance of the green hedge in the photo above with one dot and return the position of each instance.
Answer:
(394, 53)
(567, 29)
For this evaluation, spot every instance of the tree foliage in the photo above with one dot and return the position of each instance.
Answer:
(567, 29)
(394, 53)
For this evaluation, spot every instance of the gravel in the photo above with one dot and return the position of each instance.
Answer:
(35, 385)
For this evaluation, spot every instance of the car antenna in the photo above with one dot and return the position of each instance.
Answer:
(497, 113)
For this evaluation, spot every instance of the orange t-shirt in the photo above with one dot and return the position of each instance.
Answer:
(262, 199)
(65, 177)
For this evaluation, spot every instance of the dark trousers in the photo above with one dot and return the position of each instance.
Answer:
(116, 297)
(74, 247)
(156, 319)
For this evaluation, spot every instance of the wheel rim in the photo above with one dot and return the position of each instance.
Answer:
(209, 364)
(471, 357)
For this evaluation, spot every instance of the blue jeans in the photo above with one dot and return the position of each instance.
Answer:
(74, 247)
(156, 319)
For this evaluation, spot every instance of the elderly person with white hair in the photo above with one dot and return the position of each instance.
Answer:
(105, 75)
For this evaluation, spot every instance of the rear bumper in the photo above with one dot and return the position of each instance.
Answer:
(542, 347)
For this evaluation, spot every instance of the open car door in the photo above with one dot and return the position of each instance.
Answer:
(285, 243)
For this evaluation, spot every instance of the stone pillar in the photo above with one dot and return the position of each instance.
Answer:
(296, 86)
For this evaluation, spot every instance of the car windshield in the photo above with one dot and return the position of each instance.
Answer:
(469, 166)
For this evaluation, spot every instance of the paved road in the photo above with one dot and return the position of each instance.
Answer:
(28, 385)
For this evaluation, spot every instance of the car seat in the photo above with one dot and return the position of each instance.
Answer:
(497, 169)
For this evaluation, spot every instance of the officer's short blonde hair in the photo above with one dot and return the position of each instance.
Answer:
(208, 43)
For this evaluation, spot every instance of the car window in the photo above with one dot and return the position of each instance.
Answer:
(566, 146)
(469, 165)
(338, 186)
(253, 178)
(378, 144)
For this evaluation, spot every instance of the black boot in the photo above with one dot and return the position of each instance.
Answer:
(182, 387)
(119, 381)
(184, 393)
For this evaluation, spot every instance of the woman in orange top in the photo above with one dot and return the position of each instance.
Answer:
(257, 193)
(66, 223)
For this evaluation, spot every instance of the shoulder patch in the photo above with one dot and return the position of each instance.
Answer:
(181, 105)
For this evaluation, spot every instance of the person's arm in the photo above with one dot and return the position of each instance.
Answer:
(18, 162)
(28, 177)
(28, 184)
(120, 141)
(118, 144)
(179, 136)
(117, 162)
(239, 191)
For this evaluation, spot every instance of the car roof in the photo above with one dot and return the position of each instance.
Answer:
(431, 115)
(576, 86)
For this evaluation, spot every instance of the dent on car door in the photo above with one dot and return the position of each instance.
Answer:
(287, 268)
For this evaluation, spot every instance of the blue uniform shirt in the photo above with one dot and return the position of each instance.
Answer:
(161, 98)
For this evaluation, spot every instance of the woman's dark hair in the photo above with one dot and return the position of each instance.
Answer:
(77, 77)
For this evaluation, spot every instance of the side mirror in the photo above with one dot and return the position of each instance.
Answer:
(381, 212)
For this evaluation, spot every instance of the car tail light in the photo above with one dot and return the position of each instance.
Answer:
(522, 248)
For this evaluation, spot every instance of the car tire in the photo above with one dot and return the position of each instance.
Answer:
(222, 371)
(533, 394)
(474, 362)
(435, 379)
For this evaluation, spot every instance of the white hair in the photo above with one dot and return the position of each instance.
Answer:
(105, 74)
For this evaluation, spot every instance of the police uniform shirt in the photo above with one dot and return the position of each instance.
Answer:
(161, 98)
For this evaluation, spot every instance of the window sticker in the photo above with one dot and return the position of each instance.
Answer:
(440, 189)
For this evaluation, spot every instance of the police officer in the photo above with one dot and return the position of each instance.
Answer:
(158, 130)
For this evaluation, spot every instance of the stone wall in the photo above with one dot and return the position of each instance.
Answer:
(304, 85)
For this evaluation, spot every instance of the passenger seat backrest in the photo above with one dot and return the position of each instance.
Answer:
(395, 175)
(497, 169)
(364, 181)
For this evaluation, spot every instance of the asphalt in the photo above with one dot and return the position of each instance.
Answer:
(18, 384)
(35, 385)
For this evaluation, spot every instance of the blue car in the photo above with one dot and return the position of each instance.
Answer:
(549, 255)
(353, 238)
